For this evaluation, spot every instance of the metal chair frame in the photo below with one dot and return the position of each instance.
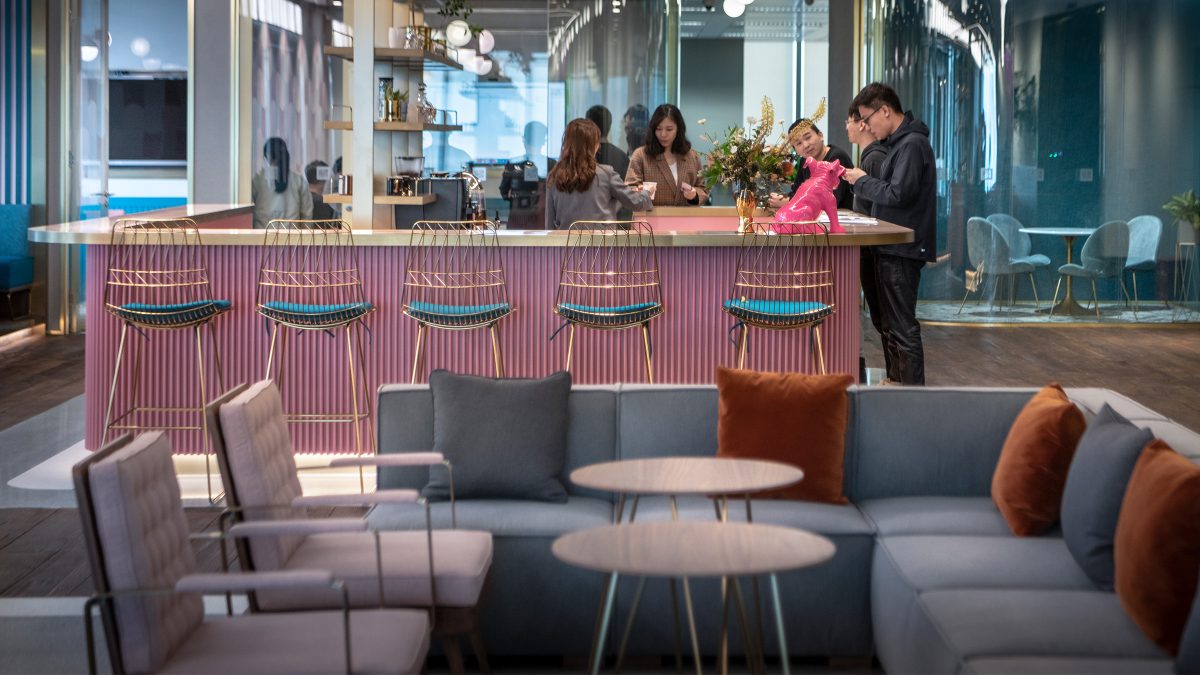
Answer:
(610, 264)
(308, 265)
(160, 263)
(784, 268)
(455, 264)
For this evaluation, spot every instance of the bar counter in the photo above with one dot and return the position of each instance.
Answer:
(689, 340)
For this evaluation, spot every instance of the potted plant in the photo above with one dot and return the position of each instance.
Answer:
(1185, 208)
(397, 104)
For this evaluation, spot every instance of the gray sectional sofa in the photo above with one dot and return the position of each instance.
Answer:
(927, 575)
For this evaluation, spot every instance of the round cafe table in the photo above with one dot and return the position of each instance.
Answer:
(692, 549)
(715, 477)
(1068, 305)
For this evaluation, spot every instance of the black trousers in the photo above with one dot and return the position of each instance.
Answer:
(890, 286)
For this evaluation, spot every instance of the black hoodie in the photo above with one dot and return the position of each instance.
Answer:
(870, 160)
(905, 193)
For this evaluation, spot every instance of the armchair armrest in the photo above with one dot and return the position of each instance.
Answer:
(392, 459)
(359, 499)
(242, 582)
(276, 528)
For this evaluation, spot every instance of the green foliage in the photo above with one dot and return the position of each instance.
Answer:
(459, 9)
(745, 158)
(1185, 207)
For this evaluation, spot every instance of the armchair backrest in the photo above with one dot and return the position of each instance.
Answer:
(987, 247)
(1106, 250)
(262, 468)
(1144, 235)
(453, 273)
(137, 538)
(1019, 243)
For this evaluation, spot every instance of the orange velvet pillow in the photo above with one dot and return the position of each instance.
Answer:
(790, 418)
(1032, 472)
(1157, 550)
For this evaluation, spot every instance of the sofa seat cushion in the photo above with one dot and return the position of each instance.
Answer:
(941, 562)
(973, 623)
(1066, 665)
(15, 271)
(827, 519)
(893, 516)
(501, 517)
(382, 641)
(461, 559)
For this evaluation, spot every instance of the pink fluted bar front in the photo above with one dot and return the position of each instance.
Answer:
(690, 340)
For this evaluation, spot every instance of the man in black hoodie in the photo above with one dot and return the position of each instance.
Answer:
(905, 193)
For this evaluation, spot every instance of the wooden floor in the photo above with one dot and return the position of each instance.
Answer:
(41, 551)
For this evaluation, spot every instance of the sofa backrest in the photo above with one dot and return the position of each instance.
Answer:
(405, 424)
(14, 229)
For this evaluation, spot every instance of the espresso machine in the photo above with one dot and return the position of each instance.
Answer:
(459, 196)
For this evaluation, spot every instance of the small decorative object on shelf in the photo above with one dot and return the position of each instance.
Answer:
(384, 86)
(396, 106)
(427, 113)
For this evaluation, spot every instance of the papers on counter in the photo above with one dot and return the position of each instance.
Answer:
(850, 218)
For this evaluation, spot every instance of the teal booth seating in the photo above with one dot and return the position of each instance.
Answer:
(16, 265)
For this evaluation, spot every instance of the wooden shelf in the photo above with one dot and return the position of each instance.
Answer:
(345, 125)
(419, 200)
(401, 57)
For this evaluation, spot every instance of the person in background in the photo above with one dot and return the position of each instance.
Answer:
(668, 160)
(609, 154)
(523, 183)
(637, 117)
(320, 210)
(277, 191)
(580, 189)
(871, 154)
(905, 193)
(811, 143)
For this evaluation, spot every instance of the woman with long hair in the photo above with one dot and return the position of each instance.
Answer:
(668, 160)
(277, 191)
(580, 189)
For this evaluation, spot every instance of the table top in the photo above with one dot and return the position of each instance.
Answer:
(692, 549)
(1060, 231)
(687, 475)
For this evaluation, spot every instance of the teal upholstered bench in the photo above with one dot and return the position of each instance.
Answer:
(16, 265)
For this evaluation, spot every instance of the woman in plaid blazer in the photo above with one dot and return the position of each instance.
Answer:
(667, 158)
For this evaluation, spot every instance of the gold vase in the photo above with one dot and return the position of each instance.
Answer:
(745, 208)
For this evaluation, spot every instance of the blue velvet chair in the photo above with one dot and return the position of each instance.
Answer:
(991, 257)
(16, 265)
(1103, 257)
(1020, 245)
(454, 280)
(609, 280)
(1144, 235)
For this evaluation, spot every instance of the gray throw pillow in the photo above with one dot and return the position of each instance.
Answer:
(1095, 489)
(505, 438)
(1188, 660)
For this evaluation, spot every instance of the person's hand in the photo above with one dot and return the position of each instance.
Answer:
(776, 200)
(852, 175)
(689, 192)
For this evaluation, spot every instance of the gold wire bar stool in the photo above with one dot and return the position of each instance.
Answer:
(610, 280)
(454, 280)
(157, 281)
(782, 282)
(310, 281)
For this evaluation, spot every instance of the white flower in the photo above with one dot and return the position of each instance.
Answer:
(702, 120)
(751, 121)
(733, 148)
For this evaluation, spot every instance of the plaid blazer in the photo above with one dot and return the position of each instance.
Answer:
(667, 193)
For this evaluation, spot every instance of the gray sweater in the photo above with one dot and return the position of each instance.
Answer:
(600, 201)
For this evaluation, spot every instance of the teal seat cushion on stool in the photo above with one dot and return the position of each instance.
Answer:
(15, 272)
(777, 312)
(314, 315)
(620, 315)
(457, 315)
(170, 315)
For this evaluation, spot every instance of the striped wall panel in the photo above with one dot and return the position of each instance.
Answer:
(690, 339)
(14, 101)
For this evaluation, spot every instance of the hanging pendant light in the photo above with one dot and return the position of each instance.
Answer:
(458, 33)
(733, 8)
(487, 42)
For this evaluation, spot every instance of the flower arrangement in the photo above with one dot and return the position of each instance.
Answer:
(745, 159)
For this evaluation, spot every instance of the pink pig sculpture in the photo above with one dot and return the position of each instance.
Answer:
(812, 197)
